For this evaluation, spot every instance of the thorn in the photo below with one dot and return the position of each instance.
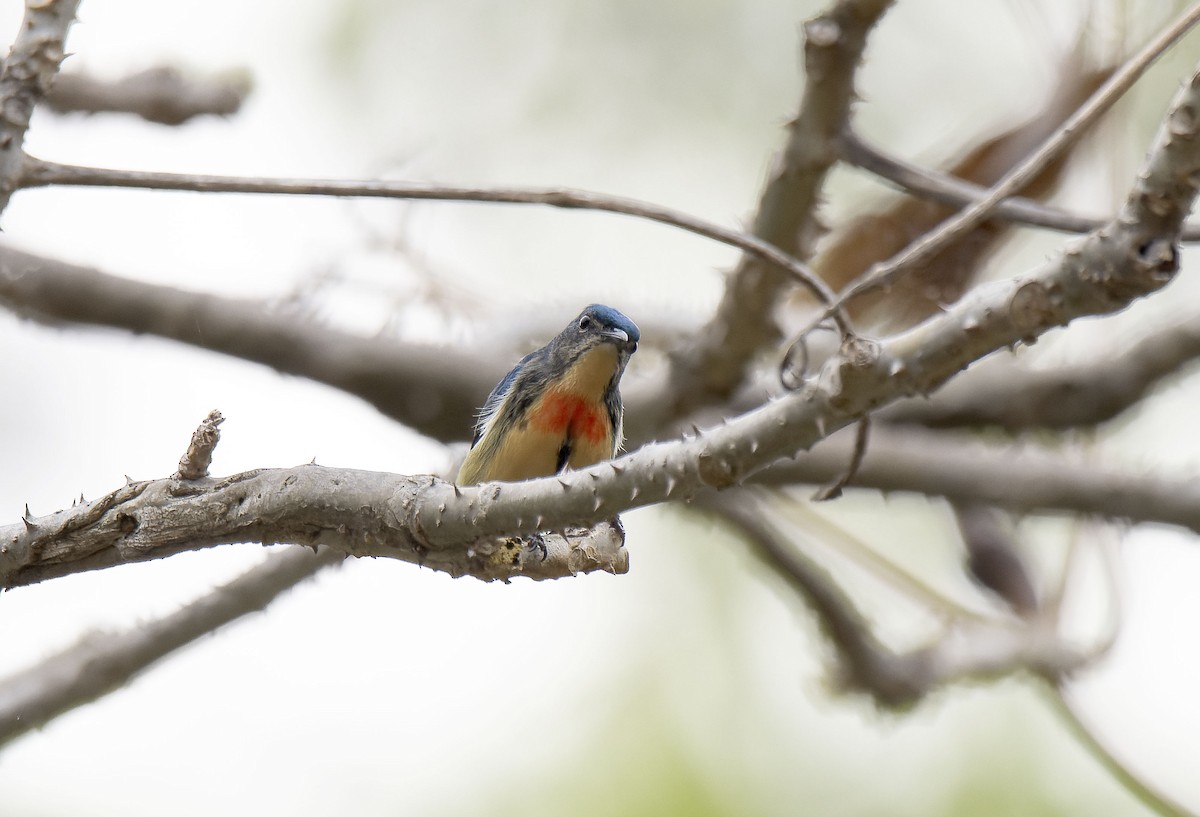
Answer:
(457, 490)
(28, 515)
(633, 493)
(670, 485)
(597, 503)
(313, 461)
(753, 446)
(820, 424)
(617, 469)
(82, 501)
(566, 486)
(128, 479)
(538, 520)
(593, 475)
(696, 430)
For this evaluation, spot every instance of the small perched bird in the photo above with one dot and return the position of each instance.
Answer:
(559, 407)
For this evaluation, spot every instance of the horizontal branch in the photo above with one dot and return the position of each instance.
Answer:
(359, 513)
(163, 95)
(1081, 394)
(1023, 478)
(103, 662)
(432, 389)
(1131, 257)
(955, 192)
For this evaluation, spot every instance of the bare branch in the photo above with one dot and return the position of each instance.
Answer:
(1017, 178)
(974, 649)
(103, 662)
(432, 389)
(873, 236)
(787, 215)
(954, 192)
(164, 95)
(964, 469)
(360, 513)
(1081, 394)
(25, 78)
(38, 173)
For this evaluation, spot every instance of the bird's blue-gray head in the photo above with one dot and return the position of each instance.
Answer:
(600, 323)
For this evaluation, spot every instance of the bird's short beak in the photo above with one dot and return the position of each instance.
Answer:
(617, 334)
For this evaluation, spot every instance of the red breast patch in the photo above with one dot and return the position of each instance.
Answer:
(563, 413)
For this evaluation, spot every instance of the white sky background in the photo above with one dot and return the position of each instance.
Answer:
(382, 689)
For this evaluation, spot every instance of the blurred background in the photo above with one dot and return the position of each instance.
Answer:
(695, 684)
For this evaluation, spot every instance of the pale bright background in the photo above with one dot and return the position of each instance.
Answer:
(692, 685)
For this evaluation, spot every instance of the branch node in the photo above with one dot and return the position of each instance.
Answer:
(195, 461)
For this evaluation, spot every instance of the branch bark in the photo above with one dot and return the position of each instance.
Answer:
(359, 513)
(29, 68)
(1083, 394)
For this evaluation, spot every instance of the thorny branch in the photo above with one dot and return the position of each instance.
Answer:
(1133, 256)
(360, 513)
(1129, 257)
(28, 70)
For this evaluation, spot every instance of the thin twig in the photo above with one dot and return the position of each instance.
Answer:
(1146, 793)
(955, 192)
(825, 532)
(38, 173)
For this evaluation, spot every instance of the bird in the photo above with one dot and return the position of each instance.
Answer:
(559, 407)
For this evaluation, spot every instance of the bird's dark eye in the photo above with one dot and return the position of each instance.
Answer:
(585, 323)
